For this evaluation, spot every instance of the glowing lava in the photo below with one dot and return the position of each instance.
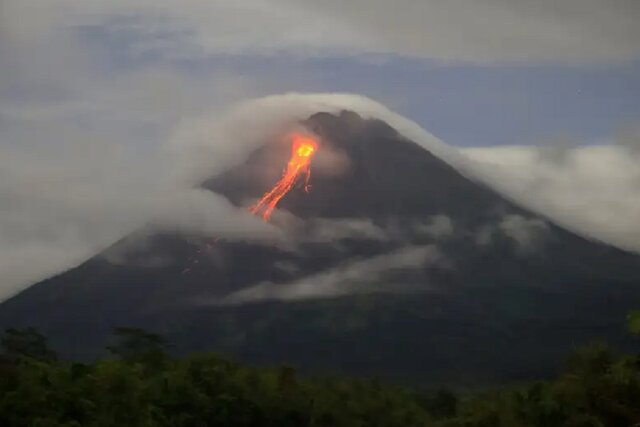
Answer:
(303, 147)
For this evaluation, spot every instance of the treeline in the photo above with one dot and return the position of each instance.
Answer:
(141, 385)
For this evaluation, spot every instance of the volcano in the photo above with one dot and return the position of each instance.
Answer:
(397, 265)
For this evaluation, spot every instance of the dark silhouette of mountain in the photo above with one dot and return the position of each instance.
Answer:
(459, 285)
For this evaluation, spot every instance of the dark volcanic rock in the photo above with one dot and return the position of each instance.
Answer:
(495, 307)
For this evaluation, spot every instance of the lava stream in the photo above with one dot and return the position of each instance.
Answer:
(303, 148)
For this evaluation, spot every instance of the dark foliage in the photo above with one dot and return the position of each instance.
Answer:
(135, 345)
(134, 389)
(25, 343)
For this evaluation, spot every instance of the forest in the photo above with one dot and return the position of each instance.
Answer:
(142, 384)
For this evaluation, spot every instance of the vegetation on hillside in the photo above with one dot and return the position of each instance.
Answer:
(141, 385)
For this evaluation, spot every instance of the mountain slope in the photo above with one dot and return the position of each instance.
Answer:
(423, 274)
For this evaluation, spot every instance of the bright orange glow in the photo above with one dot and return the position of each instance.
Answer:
(303, 147)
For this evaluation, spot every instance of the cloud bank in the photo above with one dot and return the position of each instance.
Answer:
(528, 234)
(594, 190)
(456, 30)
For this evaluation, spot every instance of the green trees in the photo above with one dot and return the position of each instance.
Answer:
(144, 386)
(634, 322)
(135, 345)
(597, 389)
(25, 343)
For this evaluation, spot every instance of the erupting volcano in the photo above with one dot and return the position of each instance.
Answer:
(401, 261)
(303, 147)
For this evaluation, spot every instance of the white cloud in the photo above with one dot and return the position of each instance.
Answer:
(333, 230)
(361, 276)
(437, 227)
(527, 234)
(480, 31)
(594, 190)
(58, 208)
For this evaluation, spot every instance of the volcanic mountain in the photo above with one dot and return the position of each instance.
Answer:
(395, 264)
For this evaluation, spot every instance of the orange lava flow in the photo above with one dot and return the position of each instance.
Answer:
(303, 148)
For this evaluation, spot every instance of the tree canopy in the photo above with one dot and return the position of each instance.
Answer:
(142, 385)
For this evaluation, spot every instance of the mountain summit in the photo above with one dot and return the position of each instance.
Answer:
(393, 264)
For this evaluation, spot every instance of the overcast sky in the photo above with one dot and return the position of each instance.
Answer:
(93, 92)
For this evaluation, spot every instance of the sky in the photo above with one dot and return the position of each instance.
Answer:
(95, 97)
